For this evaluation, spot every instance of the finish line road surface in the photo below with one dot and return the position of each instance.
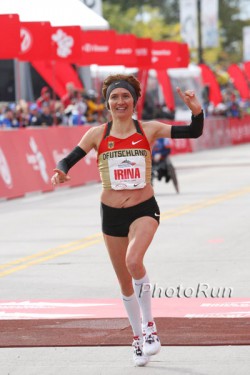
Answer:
(52, 255)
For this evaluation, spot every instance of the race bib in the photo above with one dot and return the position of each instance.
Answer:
(127, 173)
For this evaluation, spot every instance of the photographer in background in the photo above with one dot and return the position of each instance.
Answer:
(45, 99)
(72, 96)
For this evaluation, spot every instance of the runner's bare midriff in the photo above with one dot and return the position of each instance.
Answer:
(126, 198)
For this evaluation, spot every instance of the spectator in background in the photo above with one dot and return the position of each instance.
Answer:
(75, 114)
(45, 97)
(45, 117)
(59, 114)
(9, 119)
(94, 110)
(72, 96)
(78, 113)
(246, 107)
(234, 108)
(22, 113)
(2, 107)
(148, 108)
(34, 115)
(205, 98)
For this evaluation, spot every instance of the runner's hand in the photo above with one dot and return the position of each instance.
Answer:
(59, 177)
(190, 99)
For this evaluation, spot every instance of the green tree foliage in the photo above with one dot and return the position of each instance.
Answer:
(171, 11)
(143, 18)
(159, 20)
(230, 31)
(151, 25)
(120, 20)
(126, 4)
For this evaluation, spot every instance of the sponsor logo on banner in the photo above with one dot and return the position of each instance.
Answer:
(64, 43)
(124, 51)
(162, 52)
(26, 40)
(142, 51)
(37, 160)
(159, 53)
(89, 48)
(5, 170)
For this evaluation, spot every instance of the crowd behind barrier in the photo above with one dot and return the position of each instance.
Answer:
(232, 105)
(54, 127)
(78, 107)
(27, 158)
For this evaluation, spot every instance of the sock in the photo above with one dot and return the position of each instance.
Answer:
(143, 293)
(134, 315)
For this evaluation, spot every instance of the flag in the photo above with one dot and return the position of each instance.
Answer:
(209, 22)
(35, 41)
(9, 36)
(188, 21)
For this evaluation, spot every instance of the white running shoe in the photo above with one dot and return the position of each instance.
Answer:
(151, 344)
(140, 359)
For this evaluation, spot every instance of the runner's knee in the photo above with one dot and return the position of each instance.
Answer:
(134, 264)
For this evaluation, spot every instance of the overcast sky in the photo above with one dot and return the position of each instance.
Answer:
(245, 7)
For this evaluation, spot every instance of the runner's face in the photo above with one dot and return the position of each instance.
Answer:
(121, 102)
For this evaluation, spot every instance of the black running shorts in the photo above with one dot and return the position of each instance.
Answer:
(116, 221)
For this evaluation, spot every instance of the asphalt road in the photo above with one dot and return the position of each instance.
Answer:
(51, 244)
(51, 248)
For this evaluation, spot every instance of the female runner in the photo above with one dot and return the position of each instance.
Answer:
(130, 213)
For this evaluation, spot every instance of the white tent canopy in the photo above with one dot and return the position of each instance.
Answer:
(57, 12)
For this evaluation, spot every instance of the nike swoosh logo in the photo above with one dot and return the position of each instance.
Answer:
(157, 214)
(135, 142)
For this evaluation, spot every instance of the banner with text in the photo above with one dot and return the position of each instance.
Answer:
(28, 157)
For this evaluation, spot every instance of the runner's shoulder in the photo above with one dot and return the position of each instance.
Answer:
(96, 130)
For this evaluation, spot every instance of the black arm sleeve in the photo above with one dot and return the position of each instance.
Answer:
(194, 130)
(73, 157)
